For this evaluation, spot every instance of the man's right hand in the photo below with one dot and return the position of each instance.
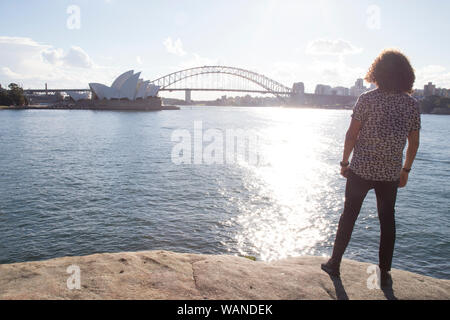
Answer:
(403, 179)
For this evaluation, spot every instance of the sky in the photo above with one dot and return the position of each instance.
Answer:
(68, 44)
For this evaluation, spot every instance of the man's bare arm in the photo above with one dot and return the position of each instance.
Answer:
(413, 146)
(411, 152)
(350, 139)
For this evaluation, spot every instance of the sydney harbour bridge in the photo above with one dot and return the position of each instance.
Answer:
(224, 79)
(221, 78)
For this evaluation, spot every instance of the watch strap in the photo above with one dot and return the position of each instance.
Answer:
(345, 164)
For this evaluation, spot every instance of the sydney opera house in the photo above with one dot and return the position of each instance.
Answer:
(127, 92)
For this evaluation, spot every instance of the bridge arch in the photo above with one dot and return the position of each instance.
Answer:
(268, 85)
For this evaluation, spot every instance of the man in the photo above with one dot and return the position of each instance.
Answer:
(382, 121)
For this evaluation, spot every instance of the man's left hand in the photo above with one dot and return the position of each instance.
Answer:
(344, 171)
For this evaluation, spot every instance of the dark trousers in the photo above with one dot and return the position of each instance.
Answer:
(355, 193)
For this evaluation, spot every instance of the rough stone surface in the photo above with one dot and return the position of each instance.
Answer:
(168, 275)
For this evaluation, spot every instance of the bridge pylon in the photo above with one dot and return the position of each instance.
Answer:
(188, 96)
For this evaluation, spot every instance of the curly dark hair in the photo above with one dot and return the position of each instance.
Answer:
(392, 72)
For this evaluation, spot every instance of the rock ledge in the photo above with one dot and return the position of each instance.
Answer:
(169, 275)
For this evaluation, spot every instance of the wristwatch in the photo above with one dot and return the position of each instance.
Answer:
(406, 170)
(345, 164)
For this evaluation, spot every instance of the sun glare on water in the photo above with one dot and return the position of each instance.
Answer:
(290, 189)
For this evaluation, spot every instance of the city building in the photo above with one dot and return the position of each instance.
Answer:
(298, 88)
(418, 93)
(441, 92)
(358, 89)
(359, 83)
(429, 89)
(341, 91)
(322, 89)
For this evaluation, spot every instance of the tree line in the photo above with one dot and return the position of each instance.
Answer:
(13, 96)
(434, 102)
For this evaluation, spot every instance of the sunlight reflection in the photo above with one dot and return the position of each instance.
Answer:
(290, 189)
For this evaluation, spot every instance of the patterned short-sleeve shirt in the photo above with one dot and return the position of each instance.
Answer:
(386, 121)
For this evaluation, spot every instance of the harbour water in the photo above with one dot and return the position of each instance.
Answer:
(75, 182)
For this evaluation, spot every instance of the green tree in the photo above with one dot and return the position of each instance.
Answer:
(16, 95)
(5, 99)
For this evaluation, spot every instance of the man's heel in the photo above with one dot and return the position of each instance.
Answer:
(331, 268)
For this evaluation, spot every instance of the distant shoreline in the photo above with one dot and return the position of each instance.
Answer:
(52, 107)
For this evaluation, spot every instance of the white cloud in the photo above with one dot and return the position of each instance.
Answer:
(139, 60)
(53, 56)
(333, 71)
(77, 57)
(174, 47)
(437, 74)
(19, 41)
(9, 73)
(285, 72)
(327, 67)
(196, 60)
(431, 70)
(27, 62)
(331, 47)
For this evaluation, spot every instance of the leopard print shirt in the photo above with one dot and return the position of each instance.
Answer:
(387, 119)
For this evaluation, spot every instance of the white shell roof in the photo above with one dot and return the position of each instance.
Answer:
(152, 90)
(99, 89)
(126, 86)
(118, 83)
(142, 90)
(129, 88)
(78, 96)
